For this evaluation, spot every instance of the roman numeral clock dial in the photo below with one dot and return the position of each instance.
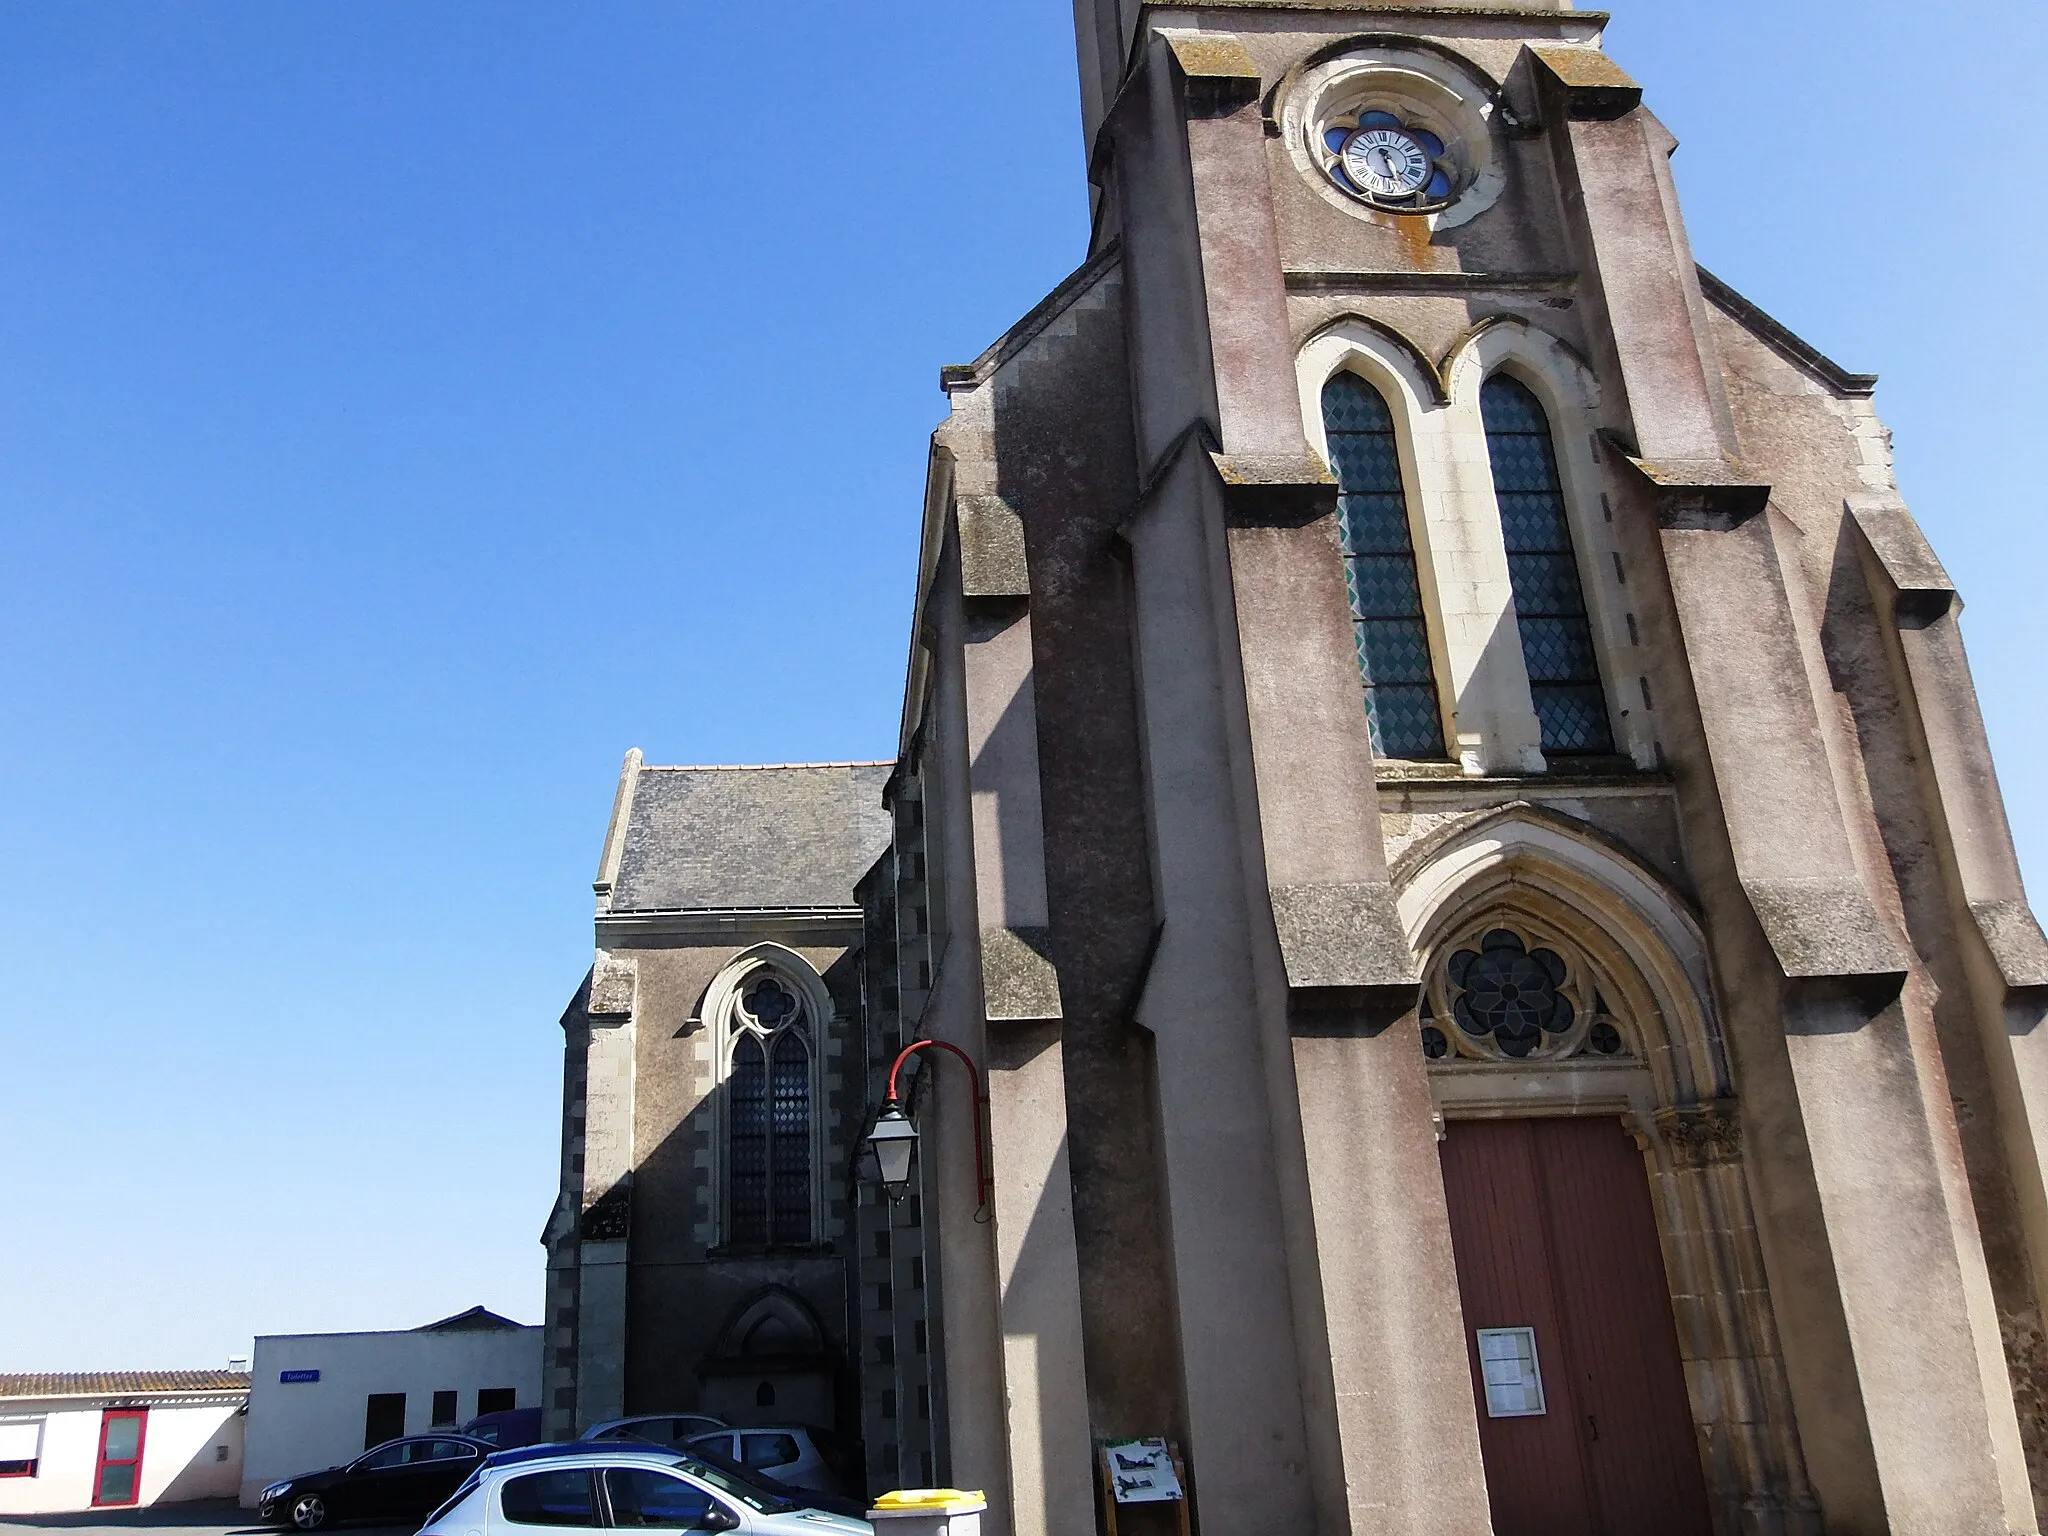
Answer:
(1386, 162)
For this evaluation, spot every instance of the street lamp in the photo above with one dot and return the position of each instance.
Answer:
(894, 1138)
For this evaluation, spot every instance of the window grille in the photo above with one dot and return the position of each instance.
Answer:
(1379, 572)
(790, 1138)
(1550, 606)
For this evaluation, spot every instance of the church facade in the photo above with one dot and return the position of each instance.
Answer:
(1440, 792)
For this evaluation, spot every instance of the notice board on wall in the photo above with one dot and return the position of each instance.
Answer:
(1140, 1471)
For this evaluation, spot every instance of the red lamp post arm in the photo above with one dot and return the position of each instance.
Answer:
(983, 1186)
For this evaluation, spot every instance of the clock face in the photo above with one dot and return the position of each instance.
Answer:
(1386, 162)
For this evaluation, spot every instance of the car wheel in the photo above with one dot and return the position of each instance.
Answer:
(309, 1512)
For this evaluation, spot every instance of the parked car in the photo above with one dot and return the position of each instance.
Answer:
(769, 1487)
(831, 1503)
(622, 1485)
(507, 1429)
(398, 1480)
(645, 1429)
(670, 1429)
(795, 1454)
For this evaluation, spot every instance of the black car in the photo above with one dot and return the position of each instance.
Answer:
(398, 1480)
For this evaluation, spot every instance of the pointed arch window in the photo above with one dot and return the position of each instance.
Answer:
(1550, 605)
(769, 1143)
(1379, 571)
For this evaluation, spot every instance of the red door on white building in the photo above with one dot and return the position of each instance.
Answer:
(117, 1479)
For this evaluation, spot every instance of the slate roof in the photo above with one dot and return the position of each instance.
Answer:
(792, 837)
(118, 1383)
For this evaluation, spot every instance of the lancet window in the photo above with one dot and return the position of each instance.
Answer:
(769, 1143)
(1550, 606)
(1379, 571)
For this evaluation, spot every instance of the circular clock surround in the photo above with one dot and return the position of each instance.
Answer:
(1395, 129)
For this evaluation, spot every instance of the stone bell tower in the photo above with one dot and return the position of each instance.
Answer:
(1439, 777)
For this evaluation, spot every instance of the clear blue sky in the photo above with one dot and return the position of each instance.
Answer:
(404, 409)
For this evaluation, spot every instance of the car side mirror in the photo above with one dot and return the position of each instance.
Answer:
(719, 1518)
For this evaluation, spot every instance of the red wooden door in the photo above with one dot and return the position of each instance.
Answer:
(1553, 1231)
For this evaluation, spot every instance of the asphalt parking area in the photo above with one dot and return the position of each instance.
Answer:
(207, 1518)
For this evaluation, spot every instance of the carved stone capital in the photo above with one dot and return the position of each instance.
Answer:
(1701, 1135)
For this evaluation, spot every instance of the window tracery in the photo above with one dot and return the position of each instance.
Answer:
(1376, 172)
(1511, 991)
(769, 1142)
(1389, 128)
(1388, 624)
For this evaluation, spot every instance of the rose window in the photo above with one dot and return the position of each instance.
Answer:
(1516, 994)
(1375, 155)
(1509, 992)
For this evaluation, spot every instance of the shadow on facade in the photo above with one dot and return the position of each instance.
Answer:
(760, 1333)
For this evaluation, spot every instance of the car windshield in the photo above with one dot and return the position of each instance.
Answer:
(728, 1479)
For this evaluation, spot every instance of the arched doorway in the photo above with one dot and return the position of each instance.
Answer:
(1623, 1352)
(1583, 1416)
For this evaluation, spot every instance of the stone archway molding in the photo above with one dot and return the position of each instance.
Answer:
(1643, 931)
(773, 1304)
(719, 1009)
(1529, 862)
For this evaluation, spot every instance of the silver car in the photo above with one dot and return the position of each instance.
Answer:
(620, 1486)
(789, 1453)
(671, 1429)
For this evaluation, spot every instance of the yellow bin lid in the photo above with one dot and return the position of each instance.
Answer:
(941, 1499)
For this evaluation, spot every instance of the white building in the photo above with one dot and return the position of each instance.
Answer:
(82, 1440)
(318, 1399)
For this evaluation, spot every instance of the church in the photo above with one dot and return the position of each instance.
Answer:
(1442, 839)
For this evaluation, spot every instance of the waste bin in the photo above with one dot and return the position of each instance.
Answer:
(928, 1512)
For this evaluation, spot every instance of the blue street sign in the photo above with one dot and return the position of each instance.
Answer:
(298, 1375)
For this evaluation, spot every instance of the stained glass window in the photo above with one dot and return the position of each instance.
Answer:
(746, 1098)
(1517, 994)
(1511, 992)
(1379, 570)
(768, 1000)
(768, 1124)
(1557, 639)
(789, 1079)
